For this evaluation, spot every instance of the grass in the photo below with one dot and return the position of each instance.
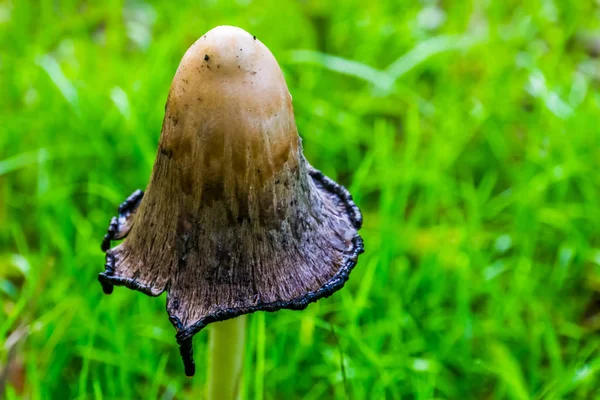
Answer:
(467, 132)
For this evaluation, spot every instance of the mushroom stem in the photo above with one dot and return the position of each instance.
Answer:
(225, 358)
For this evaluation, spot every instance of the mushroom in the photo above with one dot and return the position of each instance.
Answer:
(234, 219)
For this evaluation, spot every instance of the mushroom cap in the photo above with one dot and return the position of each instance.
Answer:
(234, 219)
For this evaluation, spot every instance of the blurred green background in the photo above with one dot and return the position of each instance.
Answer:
(467, 131)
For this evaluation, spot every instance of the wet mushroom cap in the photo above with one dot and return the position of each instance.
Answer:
(234, 219)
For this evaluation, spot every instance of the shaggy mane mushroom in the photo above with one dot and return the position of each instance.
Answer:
(234, 219)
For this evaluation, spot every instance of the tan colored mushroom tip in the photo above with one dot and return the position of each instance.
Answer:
(228, 56)
(229, 108)
(236, 51)
(234, 219)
